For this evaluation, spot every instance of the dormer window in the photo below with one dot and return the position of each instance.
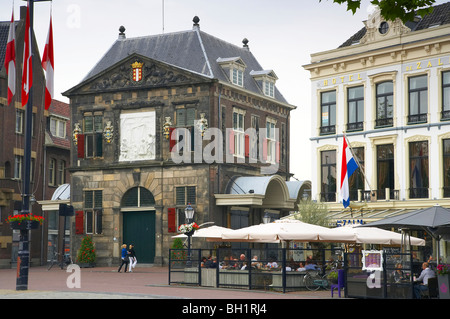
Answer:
(237, 77)
(235, 68)
(266, 80)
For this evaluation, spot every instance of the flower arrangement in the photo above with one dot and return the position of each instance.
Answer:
(443, 269)
(24, 217)
(185, 228)
(86, 254)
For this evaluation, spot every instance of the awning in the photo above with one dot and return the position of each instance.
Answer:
(60, 196)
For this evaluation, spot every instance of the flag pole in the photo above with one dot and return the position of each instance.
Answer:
(24, 252)
(357, 161)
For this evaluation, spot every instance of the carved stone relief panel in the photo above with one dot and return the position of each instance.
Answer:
(137, 136)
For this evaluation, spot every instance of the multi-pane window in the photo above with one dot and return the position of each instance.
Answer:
(271, 140)
(254, 151)
(328, 112)
(18, 166)
(185, 117)
(355, 102)
(418, 99)
(445, 96)
(385, 104)
(418, 169)
(52, 172)
(93, 209)
(328, 176)
(20, 118)
(58, 127)
(237, 77)
(61, 178)
(185, 195)
(93, 138)
(238, 131)
(356, 180)
(269, 88)
(446, 177)
(385, 170)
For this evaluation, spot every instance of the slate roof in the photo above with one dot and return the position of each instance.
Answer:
(439, 16)
(192, 50)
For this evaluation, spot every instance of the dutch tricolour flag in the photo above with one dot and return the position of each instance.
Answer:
(349, 165)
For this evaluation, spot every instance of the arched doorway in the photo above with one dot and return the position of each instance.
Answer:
(139, 222)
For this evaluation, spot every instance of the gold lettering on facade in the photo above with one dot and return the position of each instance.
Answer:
(429, 65)
(419, 65)
(342, 79)
(439, 61)
(350, 78)
(359, 76)
(325, 82)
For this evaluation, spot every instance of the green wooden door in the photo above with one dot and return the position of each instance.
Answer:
(139, 230)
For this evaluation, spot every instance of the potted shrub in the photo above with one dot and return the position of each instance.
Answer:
(86, 254)
(443, 272)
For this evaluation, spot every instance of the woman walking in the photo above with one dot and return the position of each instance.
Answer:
(125, 259)
(133, 259)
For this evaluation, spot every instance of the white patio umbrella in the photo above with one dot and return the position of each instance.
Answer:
(283, 229)
(211, 233)
(370, 235)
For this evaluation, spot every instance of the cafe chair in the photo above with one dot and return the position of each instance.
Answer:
(432, 291)
(340, 283)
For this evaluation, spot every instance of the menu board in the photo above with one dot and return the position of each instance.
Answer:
(372, 260)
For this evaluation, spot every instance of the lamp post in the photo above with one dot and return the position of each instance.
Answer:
(189, 215)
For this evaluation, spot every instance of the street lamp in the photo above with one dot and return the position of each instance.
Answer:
(189, 216)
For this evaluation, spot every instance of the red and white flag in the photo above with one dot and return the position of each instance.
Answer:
(47, 64)
(10, 60)
(27, 69)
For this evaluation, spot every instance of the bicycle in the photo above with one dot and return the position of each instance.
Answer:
(66, 260)
(314, 281)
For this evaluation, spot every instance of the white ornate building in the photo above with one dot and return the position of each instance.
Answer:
(388, 89)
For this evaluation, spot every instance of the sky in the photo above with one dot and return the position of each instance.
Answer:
(282, 35)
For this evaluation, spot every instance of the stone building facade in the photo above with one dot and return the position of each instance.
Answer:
(142, 151)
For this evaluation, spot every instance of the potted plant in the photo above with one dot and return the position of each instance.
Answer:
(178, 254)
(186, 228)
(24, 221)
(443, 271)
(86, 254)
(333, 277)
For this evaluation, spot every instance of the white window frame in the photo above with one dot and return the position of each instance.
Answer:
(271, 139)
(239, 132)
(58, 127)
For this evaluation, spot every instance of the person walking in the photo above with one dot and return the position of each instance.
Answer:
(125, 258)
(133, 259)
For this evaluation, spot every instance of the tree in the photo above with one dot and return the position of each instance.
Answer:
(312, 213)
(86, 254)
(405, 10)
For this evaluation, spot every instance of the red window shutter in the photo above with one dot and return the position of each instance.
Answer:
(231, 142)
(79, 224)
(247, 145)
(80, 145)
(172, 142)
(277, 152)
(172, 226)
(265, 149)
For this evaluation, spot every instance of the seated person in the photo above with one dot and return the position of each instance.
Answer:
(311, 265)
(255, 263)
(272, 264)
(301, 267)
(398, 275)
(421, 283)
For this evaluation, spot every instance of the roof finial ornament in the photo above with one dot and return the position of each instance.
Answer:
(245, 42)
(196, 20)
(122, 32)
